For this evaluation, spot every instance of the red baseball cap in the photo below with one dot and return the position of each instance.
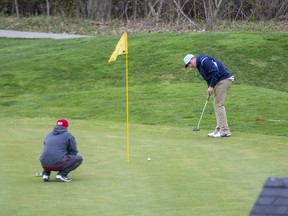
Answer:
(63, 123)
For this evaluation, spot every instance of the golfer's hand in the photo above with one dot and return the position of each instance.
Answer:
(210, 90)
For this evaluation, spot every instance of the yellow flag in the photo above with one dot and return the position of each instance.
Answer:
(121, 48)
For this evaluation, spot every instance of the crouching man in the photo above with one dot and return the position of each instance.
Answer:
(60, 152)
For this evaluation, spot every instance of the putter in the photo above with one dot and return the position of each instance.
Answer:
(198, 126)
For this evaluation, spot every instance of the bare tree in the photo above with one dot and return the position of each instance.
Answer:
(16, 7)
(135, 7)
(180, 11)
(283, 11)
(155, 12)
(211, 11)
(48, 8)
(173, 11)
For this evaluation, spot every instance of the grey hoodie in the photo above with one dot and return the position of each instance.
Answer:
(58, 144)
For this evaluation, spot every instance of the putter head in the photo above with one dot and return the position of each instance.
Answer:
(196, 129)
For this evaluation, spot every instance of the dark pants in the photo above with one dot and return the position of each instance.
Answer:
(71, 164)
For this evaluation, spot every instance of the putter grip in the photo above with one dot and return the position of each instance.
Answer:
(208, 97)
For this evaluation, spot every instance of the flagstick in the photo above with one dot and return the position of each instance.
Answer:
(127, 113)
(122, 48)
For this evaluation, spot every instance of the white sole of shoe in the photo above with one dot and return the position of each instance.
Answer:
(228, 135)
(59, 177)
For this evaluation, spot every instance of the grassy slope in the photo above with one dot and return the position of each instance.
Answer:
(189, 174)
(258, 59)
(71, 78)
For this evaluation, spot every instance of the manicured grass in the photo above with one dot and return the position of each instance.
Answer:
(189, 174)
(178, 105)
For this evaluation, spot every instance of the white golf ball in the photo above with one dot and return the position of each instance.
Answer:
(148, 158)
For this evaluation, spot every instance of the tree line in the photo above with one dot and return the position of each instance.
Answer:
(171, 11)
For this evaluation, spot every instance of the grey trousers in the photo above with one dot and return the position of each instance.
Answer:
(220, 92)
(73, 162)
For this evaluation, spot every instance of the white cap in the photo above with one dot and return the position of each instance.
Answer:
(186, 59)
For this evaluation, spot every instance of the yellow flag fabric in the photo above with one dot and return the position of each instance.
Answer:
(121, 48)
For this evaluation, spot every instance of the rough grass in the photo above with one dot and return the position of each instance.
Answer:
(94, 27)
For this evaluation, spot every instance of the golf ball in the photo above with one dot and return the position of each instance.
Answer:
(148, 158)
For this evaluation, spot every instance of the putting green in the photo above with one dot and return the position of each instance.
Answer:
(188, 174)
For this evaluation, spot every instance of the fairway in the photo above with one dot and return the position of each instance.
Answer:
(188, 174)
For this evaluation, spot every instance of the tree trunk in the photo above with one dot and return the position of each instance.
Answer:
(213, 13)
(16, 7)
(135, 10)
(48, 8)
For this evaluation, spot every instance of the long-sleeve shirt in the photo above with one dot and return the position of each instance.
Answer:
(211, 69)
(58, 144)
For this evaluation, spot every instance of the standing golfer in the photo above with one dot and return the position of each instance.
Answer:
(219, 80)
(60, 152)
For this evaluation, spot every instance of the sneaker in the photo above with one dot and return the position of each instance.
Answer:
(46, 177)
(217, 129)
(63, 178)
(222, 133)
